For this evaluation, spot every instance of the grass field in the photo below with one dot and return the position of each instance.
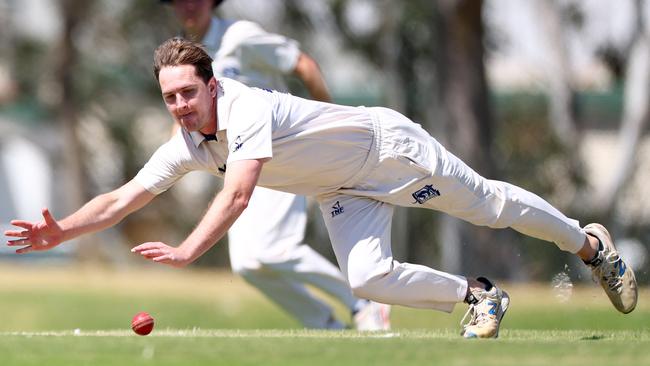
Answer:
(80, 316)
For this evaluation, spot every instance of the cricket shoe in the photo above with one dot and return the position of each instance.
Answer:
(486, 309)
(613, 274)
(372, 316)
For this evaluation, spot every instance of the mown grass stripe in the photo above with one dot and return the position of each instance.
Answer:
(506, 335)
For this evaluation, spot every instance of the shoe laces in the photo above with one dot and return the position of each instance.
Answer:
(608, 272)
(477, 317)
(472, 320)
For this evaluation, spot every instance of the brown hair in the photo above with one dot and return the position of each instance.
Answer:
(178, 51)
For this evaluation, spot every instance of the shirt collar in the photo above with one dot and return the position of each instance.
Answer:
(197, 138)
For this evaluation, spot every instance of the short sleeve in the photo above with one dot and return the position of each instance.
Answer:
(166, 166)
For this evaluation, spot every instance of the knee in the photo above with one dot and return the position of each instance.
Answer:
(492, 210)
(369, 289)
(366, 273)
(366, 285)
(505, 205)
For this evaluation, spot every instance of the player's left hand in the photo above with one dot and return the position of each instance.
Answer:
(163, 253)
(36, 236)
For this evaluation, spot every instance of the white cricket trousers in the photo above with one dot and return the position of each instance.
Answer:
(407, 167)
(266, 249)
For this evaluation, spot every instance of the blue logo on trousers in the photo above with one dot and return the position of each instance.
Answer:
(425, 193)
(337, 209)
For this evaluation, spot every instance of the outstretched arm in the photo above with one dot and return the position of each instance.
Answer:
(308, 71)
(99, 213)
(226, 207)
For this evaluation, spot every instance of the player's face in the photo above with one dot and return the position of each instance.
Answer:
(193, 14)
(189, 100)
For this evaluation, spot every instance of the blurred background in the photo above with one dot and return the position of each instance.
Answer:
(551, 95)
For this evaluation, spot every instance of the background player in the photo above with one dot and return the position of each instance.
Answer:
(266, 243)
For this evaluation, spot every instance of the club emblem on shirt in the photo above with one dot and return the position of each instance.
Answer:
(237, 144)
(425, 193)
(337, 209)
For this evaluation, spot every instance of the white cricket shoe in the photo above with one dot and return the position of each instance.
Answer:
(372, 317)
(486, 312)
(615, 277)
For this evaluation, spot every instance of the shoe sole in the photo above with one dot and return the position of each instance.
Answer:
(505, 304)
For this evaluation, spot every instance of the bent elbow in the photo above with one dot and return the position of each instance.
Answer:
(245, 201)
(240, 201)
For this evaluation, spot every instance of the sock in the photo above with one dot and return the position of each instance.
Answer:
(597, 259)
(470, 298)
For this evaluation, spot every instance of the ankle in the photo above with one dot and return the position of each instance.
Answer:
(590, 249)
(476, 286)
(590, 254)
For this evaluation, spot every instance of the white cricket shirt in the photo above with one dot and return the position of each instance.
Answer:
(314, 147)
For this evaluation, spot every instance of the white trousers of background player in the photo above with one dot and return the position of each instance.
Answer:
(267, 250)
(359, 218)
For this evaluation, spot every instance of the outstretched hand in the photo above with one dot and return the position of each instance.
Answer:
(39, 236)
(163, 253)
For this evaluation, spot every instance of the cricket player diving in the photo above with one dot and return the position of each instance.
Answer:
(358, 163)
(266, 244)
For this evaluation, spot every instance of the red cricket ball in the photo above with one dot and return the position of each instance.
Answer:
(142, 323)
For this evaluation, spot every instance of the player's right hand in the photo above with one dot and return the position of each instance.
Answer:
(38, 236)
(162, 253)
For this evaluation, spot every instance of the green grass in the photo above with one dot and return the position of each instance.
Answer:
(303, 347)
(214, 318)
